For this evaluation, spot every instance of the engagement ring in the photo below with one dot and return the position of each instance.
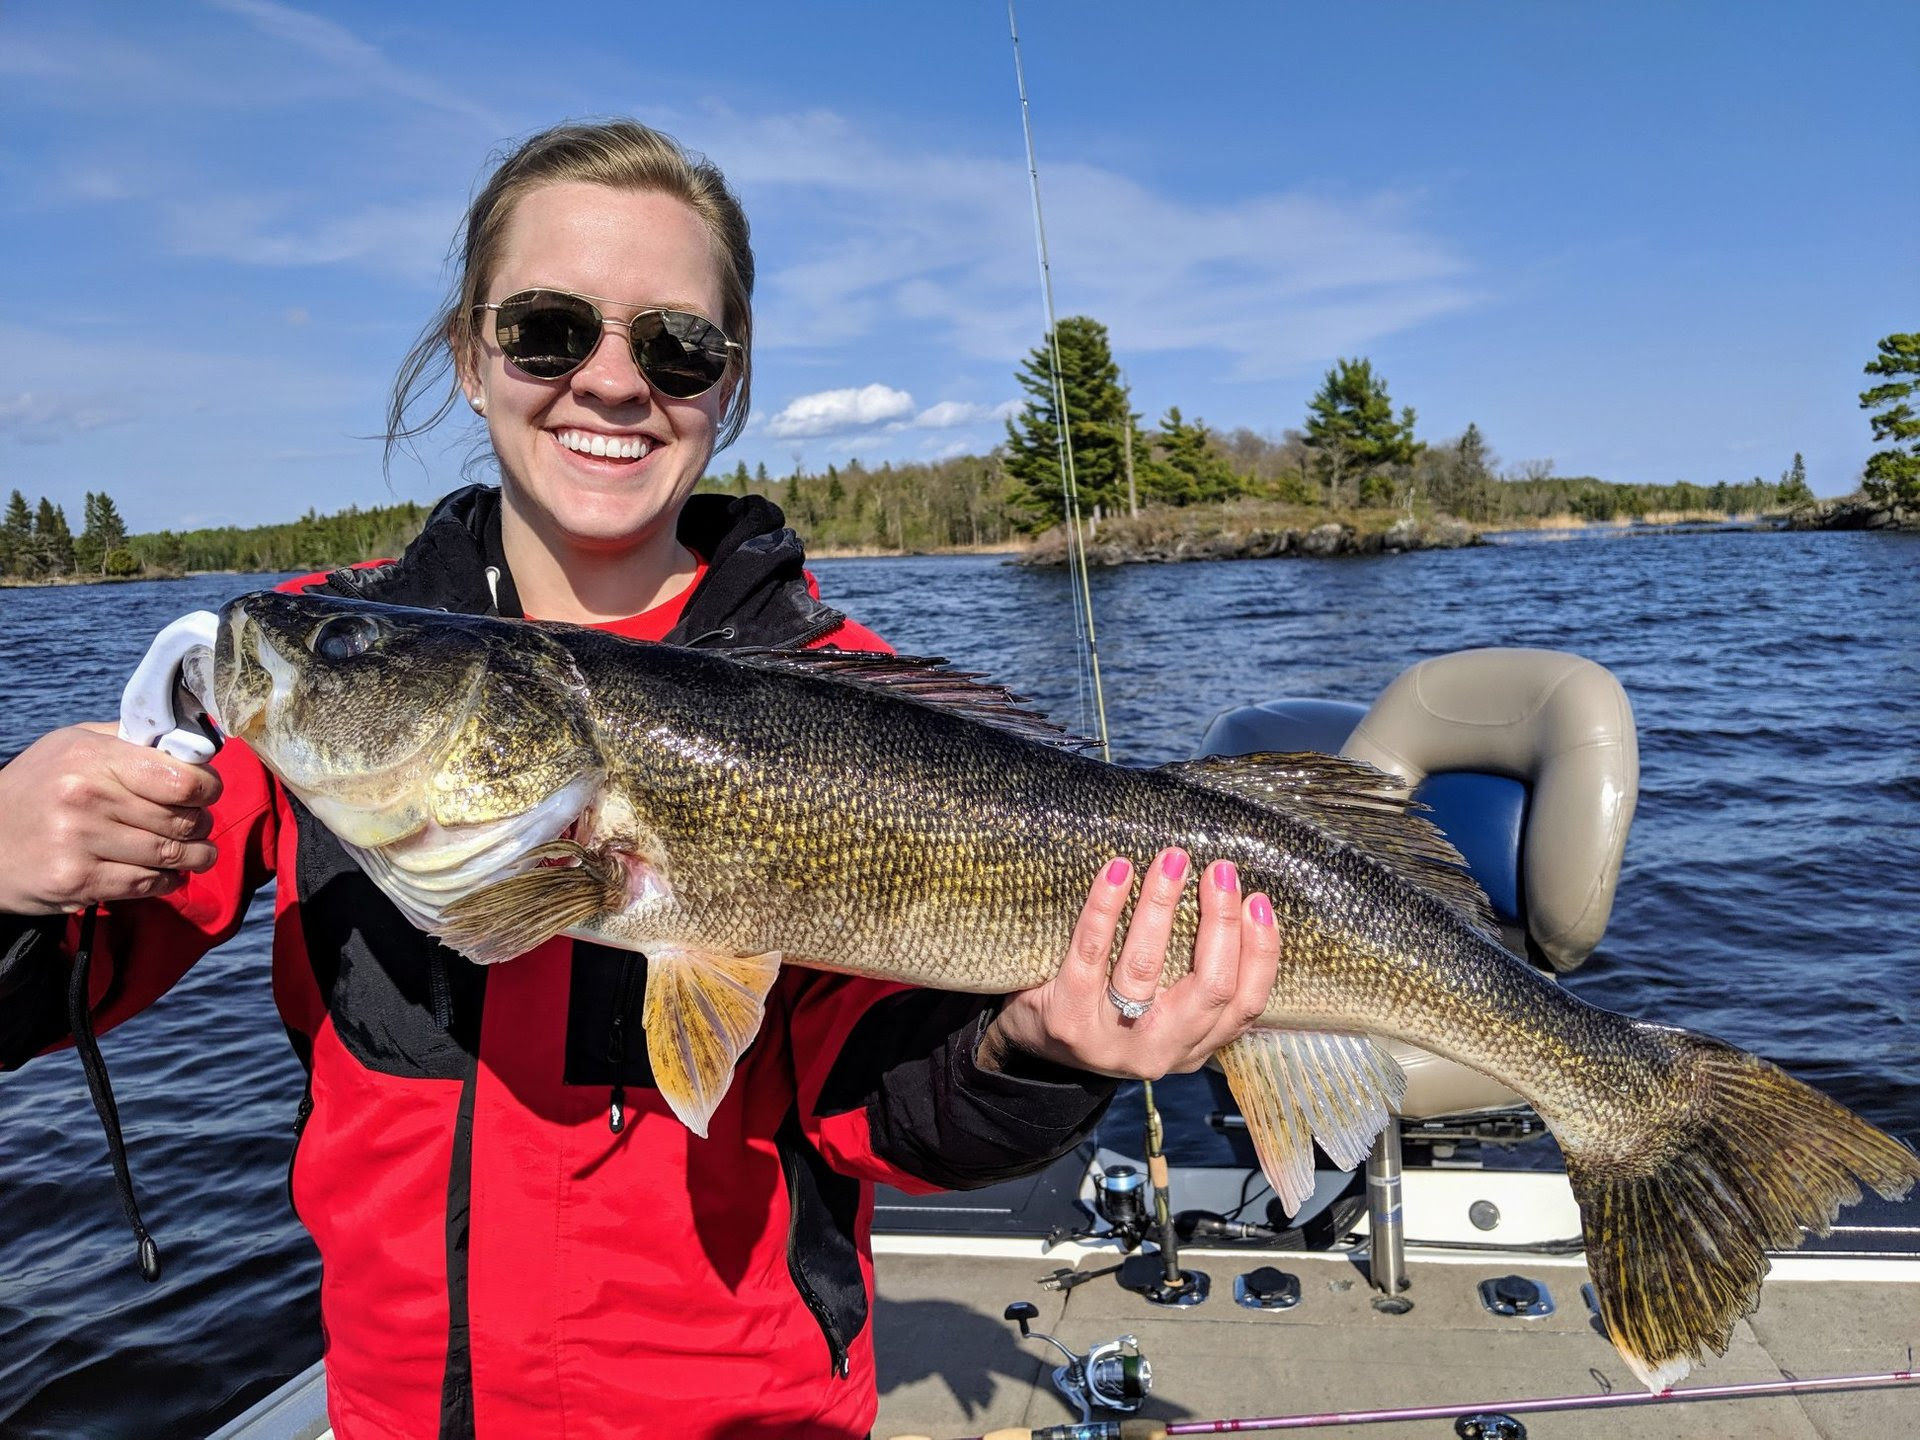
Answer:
(1132, 1009)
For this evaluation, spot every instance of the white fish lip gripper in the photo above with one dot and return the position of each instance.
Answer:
(168, 702)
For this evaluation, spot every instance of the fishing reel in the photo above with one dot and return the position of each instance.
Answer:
(1120, 1199)
(1119, 1203)
(1111, 1376)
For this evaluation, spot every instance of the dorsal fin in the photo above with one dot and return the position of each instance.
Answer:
(1355, 803)
(927, 680)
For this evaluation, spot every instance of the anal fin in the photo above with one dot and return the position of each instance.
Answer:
(703, 1010)
(1298, 1086)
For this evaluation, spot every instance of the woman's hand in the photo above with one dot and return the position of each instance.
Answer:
(1071, 1020)
(87, 817)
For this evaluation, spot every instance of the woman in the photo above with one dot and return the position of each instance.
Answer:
(517, 1238)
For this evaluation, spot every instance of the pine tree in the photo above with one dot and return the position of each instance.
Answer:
(1461, 483)
(1893, 475)
(739, 478)
(87, 549)
(798, 501)
(106, 539)
(16, 537)
(1355, 438)
(1097, 416)
(52, 540)
(113, 530)
(1188, 470)
(1793, 493)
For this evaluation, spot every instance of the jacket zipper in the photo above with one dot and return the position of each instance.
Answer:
(300, 1118)
(836, 1344)
(440, 989)
(819, 631)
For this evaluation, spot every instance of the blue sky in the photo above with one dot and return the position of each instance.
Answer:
(1646, 241)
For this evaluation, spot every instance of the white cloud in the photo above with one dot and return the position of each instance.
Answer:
(880, 239)
(268, 230)
(951, 413)
(339, 49)
(38, 418)
(833, 412)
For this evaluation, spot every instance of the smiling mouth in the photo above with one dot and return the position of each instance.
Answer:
(610, 447)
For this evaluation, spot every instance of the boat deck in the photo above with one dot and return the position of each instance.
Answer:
(950, 1366)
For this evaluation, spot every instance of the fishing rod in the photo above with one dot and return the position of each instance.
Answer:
(1140, 1429)
(1177, 1286)
(1063, 440)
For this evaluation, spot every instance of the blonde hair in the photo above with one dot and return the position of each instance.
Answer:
(622, 155)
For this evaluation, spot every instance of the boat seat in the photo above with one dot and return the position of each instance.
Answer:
(1528, 762)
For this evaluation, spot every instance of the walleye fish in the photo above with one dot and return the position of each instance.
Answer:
(505, 782)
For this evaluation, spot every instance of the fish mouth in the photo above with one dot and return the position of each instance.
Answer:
(264, 681)
(238, 694)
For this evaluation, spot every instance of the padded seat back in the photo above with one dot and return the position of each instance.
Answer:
(1529, 764)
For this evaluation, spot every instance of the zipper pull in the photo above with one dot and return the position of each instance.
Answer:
(617, 1108)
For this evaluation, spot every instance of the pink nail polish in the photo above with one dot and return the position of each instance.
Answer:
(1225, 876)
(1119, 872)
(1260, 910)
(1173, 864)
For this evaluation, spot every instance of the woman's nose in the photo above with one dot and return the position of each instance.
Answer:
(610, 374)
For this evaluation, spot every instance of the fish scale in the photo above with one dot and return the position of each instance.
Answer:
(884, 817)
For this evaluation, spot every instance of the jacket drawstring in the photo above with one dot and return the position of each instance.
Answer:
(617, 1043)
(79, 1012)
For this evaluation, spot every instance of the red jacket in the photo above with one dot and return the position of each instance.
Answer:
(497, 1258)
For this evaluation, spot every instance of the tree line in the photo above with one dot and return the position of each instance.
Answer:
(37, 542)
(960, 503)
(1354, 450)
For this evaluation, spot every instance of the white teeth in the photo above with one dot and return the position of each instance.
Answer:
(629, 447)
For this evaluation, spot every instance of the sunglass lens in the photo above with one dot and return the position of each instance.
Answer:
(681, 355)
(547, 334)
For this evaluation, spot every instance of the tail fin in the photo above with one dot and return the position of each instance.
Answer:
(1677, 1234)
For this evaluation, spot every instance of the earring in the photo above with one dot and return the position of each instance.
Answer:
(479, 404)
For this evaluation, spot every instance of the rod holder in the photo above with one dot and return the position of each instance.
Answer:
(1386, 1233)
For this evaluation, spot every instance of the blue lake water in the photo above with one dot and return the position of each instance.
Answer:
(1771, 893)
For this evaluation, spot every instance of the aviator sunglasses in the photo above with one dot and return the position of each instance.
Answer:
(549, 334)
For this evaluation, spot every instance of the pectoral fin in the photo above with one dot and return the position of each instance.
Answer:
(513, 916)
(1296, 1086)
(703, 1010)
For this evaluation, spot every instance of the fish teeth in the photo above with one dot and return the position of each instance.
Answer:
(617, 447)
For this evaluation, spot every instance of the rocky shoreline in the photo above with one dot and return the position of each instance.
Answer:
(1854, 514)
(1115, 544)
(1260, 543)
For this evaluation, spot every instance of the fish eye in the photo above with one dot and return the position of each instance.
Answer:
(344, 636)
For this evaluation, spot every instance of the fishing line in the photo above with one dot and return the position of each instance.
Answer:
(1069, 487)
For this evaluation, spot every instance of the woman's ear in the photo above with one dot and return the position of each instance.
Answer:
(466, 369)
